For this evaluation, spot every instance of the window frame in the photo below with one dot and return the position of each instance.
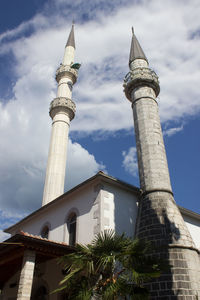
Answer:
(72, 228)
(46, 227)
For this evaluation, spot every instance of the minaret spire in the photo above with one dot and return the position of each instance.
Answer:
(71, 39)
(159, 220)
(68, 58)
(136, 51)
(62, 111)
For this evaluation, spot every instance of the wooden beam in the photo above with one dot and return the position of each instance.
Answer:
(11, 256)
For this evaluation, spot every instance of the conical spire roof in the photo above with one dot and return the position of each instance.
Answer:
(136, 50)
(71, 40)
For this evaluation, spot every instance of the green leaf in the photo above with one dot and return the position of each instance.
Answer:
(112, 266)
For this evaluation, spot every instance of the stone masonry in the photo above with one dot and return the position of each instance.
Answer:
(159, 219)
(26, 276)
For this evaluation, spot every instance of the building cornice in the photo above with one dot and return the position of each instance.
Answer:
(100, 176)
(97, 178)
(189, 213)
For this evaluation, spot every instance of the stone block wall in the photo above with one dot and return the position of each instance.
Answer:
(160, 222)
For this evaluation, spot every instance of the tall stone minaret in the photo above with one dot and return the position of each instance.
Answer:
(62, 111)
(159, 219)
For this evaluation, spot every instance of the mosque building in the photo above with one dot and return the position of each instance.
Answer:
(28, 264)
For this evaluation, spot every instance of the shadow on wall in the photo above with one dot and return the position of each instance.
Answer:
(154, 225)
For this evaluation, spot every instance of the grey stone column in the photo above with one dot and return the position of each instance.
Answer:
(159, 219)
(26, 276)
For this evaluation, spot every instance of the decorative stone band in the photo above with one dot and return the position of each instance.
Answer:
(143, 97)
(144, 193)
(183, 247)
(62, 104)
(66, 71)
(140, 77)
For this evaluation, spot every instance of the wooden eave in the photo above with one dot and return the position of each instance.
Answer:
(12, 251)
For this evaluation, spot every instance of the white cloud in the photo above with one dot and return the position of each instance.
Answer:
(130, 161)
(80, 165)
(22, 176)
(3, 236)
(21, 181)
(104, 51)
(172, 131)
(25, 128)
(103, 48)
(6, 219)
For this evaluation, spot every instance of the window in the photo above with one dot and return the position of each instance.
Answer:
(45, 232)
(71, 224)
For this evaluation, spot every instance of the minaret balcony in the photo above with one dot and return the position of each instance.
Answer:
(62, 105)
(140, 77)
(66, 71)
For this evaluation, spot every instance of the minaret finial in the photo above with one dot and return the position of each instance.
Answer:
(71, 39)
(136, 50)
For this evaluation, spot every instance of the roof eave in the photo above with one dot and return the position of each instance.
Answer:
(99, 176)
(189, 213)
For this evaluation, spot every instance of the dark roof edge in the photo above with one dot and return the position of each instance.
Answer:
(119, 182)
(100, 175)
(189, 213)
(23, 237)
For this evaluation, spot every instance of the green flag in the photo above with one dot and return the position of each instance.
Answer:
(76, 66)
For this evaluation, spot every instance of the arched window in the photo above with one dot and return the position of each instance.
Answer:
(71, 224)
(45, 232)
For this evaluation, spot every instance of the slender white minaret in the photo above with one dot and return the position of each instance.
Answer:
(62, 111)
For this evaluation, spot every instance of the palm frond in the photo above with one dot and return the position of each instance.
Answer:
(68, 276)
(110, 267)
(83, 294)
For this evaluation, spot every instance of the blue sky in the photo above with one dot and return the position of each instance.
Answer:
(32, 39)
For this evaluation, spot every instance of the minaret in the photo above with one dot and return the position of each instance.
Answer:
(62, 111)
(159, 219)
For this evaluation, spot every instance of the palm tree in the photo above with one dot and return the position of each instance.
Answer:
(111, 267)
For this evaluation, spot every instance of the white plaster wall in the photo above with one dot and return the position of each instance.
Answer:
(98, 207)
(83, 202)
(193, 226)
(108, 210)
(118, 210)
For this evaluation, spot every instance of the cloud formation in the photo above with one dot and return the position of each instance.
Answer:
(103, 50)
(103, 41)
(130, 161)
(173, 130)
